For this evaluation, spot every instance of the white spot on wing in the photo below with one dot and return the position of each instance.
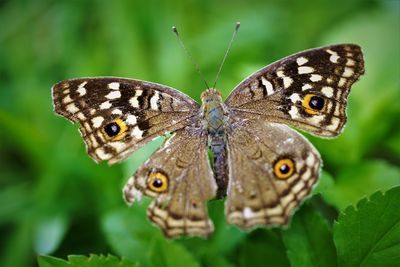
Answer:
(67, 99)
(334, 124)
(81, 90)
(81, 116)
(248, 213)
(114, 85)
(316, 119)
(268, 85)
(328, 91)
(287, 81)
(295, 97)
(342, 82)
(131, 119)
(301, 61)
(350, 62)
(334, 56)
(113, 95)
(72, 108)
(310, 160)
(293, 112)
(118, 145)
(306, 87)
(136, 132)
(134, 100)
(305, 70)
(102, 155)
(348, 72)
(315, 77)
(153, 101)
(117, 111)
(105, 105)
(97, 121)
(94, 141)
(280, 73)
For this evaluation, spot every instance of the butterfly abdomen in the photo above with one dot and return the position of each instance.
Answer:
(215, 121)
(220, 165)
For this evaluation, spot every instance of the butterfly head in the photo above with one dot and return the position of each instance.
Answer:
(211, 95)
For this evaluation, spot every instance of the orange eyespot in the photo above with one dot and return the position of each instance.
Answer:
(313, 103)
(284, 168)
(116, 129)
(157, 182)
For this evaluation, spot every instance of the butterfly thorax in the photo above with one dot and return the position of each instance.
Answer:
(214, 112)
(215, 119)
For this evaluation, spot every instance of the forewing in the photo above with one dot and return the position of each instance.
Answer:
(307, 90)
(117, 116)
(180, 204)
(262, 190)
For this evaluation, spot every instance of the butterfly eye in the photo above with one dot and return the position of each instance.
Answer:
(313, 103)
(283, 168)
(116, 129)
(157, 182)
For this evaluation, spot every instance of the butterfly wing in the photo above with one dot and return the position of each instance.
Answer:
(117, 116)
(179, 177)
(272, 168)
(307, 90)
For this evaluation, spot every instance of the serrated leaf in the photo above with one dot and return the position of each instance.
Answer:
(309, 240)
(369, 235)
(84, 261)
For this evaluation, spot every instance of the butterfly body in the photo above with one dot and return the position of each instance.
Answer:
(265, 168)
(215, 118)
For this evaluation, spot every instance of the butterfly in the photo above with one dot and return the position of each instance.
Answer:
(263, 167)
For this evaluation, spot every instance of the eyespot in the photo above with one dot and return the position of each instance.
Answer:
(313, 104)
(116, 129)
(284, 168)
(157, 182)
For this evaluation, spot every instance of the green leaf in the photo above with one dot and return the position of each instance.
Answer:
(83, 261)
(129, 232)
(48, 261)
(132, 235)
(360, 180)
(49, 233)
(309, 240)
(369, 235)
(262, 246)
(168, 253)
(325, 183)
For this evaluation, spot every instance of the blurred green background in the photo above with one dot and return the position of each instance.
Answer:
(54, 200)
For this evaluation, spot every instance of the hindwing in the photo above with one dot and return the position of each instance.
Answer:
(272, 168)
(179, 178)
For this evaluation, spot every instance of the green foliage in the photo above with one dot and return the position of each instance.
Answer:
(309, 241)
(369, 234)
(56, 201)
(82, 261)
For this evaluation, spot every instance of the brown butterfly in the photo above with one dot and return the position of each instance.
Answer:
(264, 168)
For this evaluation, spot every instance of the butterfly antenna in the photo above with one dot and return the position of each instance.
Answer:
(175, 30)
(227, 52)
